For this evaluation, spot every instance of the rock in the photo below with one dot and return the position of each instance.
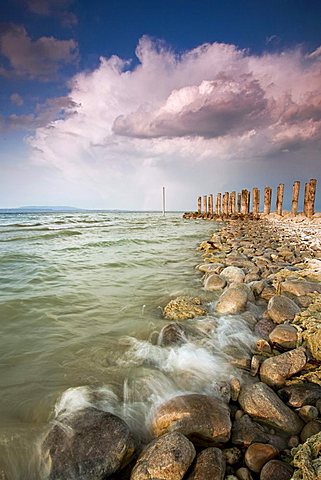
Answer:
(166, 458)
(233, 274)
(232, 455)
(205, 420)
(293, 441)
(173, 334)
(257, 287)
(300, 287)
(210, 465)
(211, 267)
(88, 444)
(284, 336)
(263, 346)
(318, 405)
(233, 300)
(245, 431)
(301, 394)
(306, 459)
(263, 404)
(256, 361)
(268, 292)
(214, 282)
(308, 413)
(310, 429)
(235, 385)
(281, 308)
(243, 473)
(264, 327)
(258, 454)
(276, 370)
(182, 308)
(276, 470)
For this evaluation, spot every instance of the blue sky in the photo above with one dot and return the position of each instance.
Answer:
(101, 103)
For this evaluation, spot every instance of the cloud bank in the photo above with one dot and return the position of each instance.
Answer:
(209, 109)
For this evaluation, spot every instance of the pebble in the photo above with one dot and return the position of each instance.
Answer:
(258, 454)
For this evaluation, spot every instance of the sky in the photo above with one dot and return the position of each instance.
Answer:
(104, 103)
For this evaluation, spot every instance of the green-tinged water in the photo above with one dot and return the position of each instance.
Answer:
(81, 302)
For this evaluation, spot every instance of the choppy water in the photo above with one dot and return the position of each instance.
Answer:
(80, 308)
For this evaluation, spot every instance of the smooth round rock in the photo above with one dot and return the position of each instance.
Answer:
(232, 301)
(233, 274)
(210, 465)
(243, 473)
(166, 458)
(89, 442)
(203, 419)
(308, 413)
(276, 470)
(258, 454)
(214, 282)
(281, 308)
(310, 429)
(284, 336)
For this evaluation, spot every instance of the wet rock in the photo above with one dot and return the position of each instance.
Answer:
(281, 308)
(258, 454)
(284, 336)
(233, 300)
(88, 444)
(263, 346)
(276, 470)
(306, 459)
(308, 413)
(205, 420)
(173, 334)
(235, 386)
(182, 308)
(276, 370)
(300, 287)
(210, 465)
(233, 274)
(243, 473)
(211, 267)
(166, 458)
(245, 431)
(214, 282)
(264, 327)
(263, 404)
(310, 429)
(256, 361)
(300, 394)
(232, 455)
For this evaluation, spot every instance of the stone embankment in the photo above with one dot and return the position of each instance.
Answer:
(267, 425)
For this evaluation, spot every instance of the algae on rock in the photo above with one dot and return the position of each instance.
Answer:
(310, 322)
(307, 459)
(182, 308)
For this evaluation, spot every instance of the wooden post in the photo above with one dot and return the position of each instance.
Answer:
(279, 199)
(305, 202)
(225, 203)
(238, 207)
(218, 204)
(205, 204)
(244, 200)
(210, 204)
(256, 201)
(295, 197)
(311, 197)
(231, 209)
(267, 200)
(248, 201)
(199, 205)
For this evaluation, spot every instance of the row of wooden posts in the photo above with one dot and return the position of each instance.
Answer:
(232, 203)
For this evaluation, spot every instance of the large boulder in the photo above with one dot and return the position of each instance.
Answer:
(204, 420)
(182, 308)
(281, 308)
(166, 458)
(276, 370)
(262, 403)
(233, 274)
(214, 282)
(88, 444)
(210, 465)
(233, 300)
(284, 336)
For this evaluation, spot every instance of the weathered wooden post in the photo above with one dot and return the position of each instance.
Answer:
(225, 203)
(311, 198)
(231, 209)
(267, 200)
(199, 205)
(238, 206)
(279, 199)
(305, 201)
(205, 204)
(219, 204)
(244, 200)
(248, 201)
(256, 201)
(210, 204)
(295, 197)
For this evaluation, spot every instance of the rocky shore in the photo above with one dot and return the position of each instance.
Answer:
(265, 421)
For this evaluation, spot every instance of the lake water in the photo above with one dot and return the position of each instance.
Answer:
(81, 297)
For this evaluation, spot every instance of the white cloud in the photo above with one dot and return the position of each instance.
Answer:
(184, 120)
(16, 99)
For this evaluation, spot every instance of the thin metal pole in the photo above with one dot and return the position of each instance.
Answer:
(164, 201)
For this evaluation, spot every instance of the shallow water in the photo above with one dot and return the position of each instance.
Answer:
(81, 302)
